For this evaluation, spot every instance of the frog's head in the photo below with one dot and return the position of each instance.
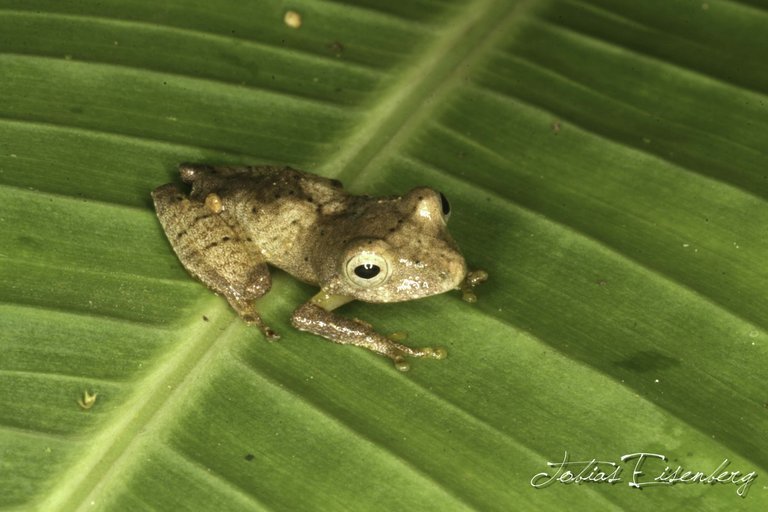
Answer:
(403, 251)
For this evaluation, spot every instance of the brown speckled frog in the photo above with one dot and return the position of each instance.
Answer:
(236, 220)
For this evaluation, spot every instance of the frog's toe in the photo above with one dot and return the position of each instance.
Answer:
(398, 336)
(432, 352)
(270, 334)
(191, 172)
(439, 353)
(472, 279)
(401, 364)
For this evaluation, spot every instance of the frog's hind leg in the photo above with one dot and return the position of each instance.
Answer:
(215, 252)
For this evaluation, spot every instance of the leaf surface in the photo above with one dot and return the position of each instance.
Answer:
(606, 164)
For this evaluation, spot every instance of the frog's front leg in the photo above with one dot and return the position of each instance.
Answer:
(316, 317)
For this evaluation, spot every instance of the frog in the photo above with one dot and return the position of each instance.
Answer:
(236, 221)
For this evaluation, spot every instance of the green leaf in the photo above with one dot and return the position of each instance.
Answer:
(606, 163)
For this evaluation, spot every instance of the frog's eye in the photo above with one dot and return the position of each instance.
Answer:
(445, 205)
(367, 269)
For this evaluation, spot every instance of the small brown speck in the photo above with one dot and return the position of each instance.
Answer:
(337, 48)
(249, 457)
(205, 318)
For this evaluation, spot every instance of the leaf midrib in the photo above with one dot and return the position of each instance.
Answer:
(101, 456)
(419, 92)
(431, 76)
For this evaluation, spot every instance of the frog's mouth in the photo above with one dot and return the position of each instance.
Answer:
(415, 281)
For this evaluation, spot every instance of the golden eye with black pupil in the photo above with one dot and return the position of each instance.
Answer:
(367, 269)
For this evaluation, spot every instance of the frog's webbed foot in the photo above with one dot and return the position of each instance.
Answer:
(397, 353)
(312, 318)
(467, 286)
(268, 332)
(402, 350)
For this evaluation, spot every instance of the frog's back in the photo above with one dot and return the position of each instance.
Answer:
(263, 183)
(278, 208)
